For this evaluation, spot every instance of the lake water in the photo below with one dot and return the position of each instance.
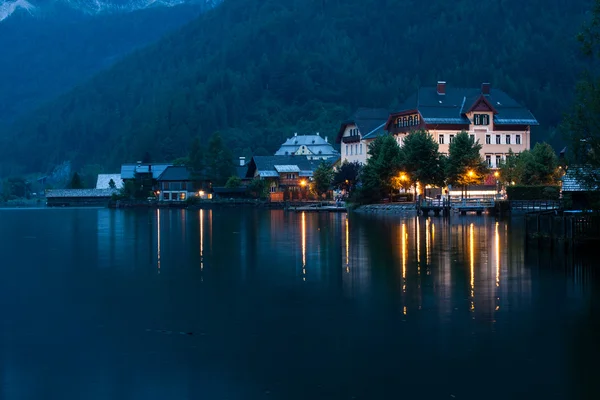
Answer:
(253, 304)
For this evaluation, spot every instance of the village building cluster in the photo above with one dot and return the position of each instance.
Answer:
(488, 115)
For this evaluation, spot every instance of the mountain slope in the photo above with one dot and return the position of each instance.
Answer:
(258, 70)
(45, 51)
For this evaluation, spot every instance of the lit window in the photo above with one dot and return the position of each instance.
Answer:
(441, 139)
(497, 139)
(507, 139)
(518, 139)
(488, 139)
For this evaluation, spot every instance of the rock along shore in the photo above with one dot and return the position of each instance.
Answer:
(400, 208)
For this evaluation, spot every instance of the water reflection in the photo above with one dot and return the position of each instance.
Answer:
(485, 306)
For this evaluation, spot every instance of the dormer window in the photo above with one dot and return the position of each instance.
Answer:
(481, 119)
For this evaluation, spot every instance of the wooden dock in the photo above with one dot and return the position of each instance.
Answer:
(464, 206)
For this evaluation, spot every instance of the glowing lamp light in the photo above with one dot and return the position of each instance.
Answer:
(303, 182)
(496, 174)
(201, 193)
(470, 173)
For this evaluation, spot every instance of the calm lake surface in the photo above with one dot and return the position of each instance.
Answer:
(98, 304)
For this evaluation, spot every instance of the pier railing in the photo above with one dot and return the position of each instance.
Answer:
(535, 205)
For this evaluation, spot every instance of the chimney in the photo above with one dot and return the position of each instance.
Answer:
(295, 133)
(242, 161)
(441, 88)
(486, 88)
(318, 134)
(326, 139)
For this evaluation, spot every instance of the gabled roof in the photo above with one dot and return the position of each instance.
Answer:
(366, 120)
(103, 181)
(580, 179)
(175, 173)
(316, 144)
(451, 107)
(267, 165)
(128, 170)
(378, 131)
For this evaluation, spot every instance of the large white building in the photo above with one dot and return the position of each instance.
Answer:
(356, 133)
(314, 147)
(489, 116)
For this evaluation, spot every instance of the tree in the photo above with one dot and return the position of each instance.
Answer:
(378, 174)
(322, 178)
(76, 182)
(581, 126)
(464, 165)
(346, 175)
(233, 182)
(259, 188)
(219, 160)
(538, 166)
(509, 172)
(112, 184)
(420, 159)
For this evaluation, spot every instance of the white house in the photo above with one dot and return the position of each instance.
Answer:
(356, 133)
(314, 147)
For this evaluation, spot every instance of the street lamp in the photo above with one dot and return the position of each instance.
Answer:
(497, 175)
(470, 174)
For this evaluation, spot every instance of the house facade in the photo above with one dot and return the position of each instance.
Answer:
(175, 184)
(355, 134)
(287, 175)
(313, 147)
(488, 115)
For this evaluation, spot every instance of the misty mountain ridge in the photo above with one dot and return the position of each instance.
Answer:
(88, 7)
(259, 70)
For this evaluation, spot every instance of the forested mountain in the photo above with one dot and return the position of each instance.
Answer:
(260, 70)
(53, 45)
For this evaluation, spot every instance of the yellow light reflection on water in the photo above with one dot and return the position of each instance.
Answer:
(304, 245)
(404, 240)
(497, 240)
(347, 246)
(427, 241)
(418, 244)
(201, 240)
(472, 263)
(158, 238)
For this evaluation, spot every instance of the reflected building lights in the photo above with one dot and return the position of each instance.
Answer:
(427, 241)
(201, 240)
(472, 264)
(497, 239)
(347, 246)
(304, 246)
(418, 244)
(158, 238)
(404, 240)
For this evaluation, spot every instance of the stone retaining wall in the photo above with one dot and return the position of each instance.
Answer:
(405, 208)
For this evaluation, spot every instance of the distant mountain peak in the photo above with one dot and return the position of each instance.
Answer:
(7, 8)
(90, 7)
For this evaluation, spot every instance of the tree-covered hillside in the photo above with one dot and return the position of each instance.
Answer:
(259, 70)
(47, 53)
